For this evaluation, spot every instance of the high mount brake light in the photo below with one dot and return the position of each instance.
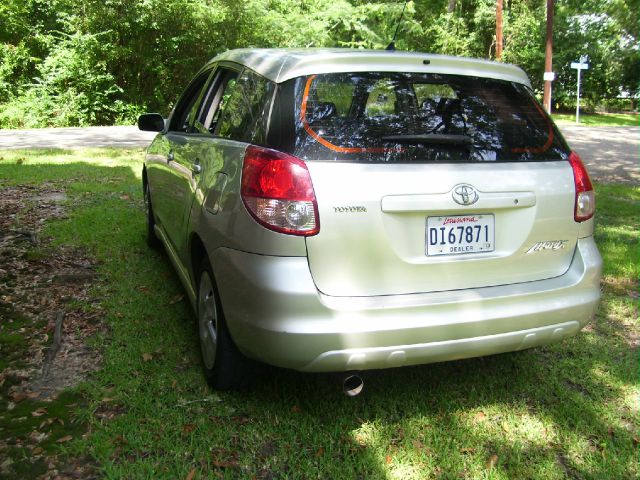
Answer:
(277, 191)
(585, 204)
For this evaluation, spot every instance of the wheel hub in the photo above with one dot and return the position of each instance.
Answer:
(207, 320)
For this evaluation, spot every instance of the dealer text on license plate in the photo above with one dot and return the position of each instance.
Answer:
(460, 234)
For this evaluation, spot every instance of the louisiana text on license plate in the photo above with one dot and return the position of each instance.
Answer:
(458, 234)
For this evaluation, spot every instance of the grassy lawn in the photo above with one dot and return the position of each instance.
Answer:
(599, 119)
(564, 411)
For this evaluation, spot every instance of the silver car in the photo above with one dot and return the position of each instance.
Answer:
(344, 210)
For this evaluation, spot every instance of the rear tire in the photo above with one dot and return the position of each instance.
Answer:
(225, 368)
(152, 240)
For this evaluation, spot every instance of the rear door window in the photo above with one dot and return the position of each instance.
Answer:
(188, 104)
(245, 113)
(411, 117)
(215, 102)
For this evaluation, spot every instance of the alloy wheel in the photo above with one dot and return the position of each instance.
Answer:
(207, 320)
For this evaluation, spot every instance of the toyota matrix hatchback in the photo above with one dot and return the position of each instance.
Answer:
(343, 210)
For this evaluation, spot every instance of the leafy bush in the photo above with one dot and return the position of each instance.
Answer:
(14, 61)
(73, 88)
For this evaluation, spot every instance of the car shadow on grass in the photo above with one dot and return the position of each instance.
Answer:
(555, 411)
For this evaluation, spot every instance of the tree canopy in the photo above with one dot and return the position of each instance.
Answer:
(91, 62)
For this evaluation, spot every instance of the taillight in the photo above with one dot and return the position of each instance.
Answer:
(585, 205)
(277, 191)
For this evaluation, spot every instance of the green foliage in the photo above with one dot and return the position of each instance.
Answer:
(524, 36)
(74, 62)
(72, 89)
(14, 63)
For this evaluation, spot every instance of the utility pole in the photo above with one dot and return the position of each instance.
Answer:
(548, 68)
(499, 30)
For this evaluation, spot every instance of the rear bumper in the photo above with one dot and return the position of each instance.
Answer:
(276, 315)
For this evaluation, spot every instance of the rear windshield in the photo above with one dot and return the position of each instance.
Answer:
(413, 117)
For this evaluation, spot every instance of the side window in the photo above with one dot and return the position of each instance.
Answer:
(208, 96)
(215, 101)
(188, 104)
(246, 108)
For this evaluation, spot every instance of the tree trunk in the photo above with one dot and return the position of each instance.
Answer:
(548, 62)
(452, 6)
(499, 30)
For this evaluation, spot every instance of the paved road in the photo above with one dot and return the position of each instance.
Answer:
(75, 137)
(610, 153)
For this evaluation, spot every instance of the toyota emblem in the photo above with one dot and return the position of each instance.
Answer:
(465, 194)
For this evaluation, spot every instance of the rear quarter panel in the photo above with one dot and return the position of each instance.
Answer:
(231, 226)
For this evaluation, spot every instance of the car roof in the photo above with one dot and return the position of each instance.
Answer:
(281, 64)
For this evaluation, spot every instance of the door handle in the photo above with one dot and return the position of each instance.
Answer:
(196, 168)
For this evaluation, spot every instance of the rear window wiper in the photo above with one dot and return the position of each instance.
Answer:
(429, 138)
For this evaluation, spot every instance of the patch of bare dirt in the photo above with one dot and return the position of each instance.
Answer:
(47, 313)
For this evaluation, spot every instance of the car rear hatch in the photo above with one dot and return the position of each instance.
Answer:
(430, 182)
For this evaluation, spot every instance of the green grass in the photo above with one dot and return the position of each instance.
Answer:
(565, 411)
(599, 119)
(54, 420)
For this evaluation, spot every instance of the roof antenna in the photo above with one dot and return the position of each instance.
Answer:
(392, 45)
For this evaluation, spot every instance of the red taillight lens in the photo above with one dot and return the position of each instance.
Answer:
(277, 191)
(585, 205)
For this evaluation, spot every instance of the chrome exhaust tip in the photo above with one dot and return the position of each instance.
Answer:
(352, 385)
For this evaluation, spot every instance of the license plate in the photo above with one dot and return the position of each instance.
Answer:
(460, 234)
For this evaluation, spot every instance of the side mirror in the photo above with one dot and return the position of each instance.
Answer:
(151, 122)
